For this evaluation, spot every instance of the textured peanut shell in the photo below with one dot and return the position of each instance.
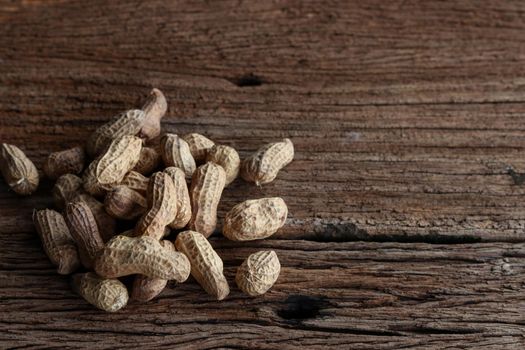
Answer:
(84, 230)
(162, 206)
(146, 288)
(263, 166)
(206, 264)
(66, 188)
(19, 171)
(255, 219)
(120, 157)
(56, 240)
(176, 152)
(199, 145)
(121, 202)
(143, 255)
(106, 223)
(258, 273)
(70, 161)
(90, 182)
(228, 158)
(154, 109)
(149, 161)
(106, 294)
(205, 193)
(127, 123)
(136, 181)
(182, 196)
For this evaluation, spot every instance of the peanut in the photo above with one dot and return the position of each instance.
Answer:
(206, 264)
(84, 231)
(90, 182)
(106, 294)
(154, 109)
(64, 162)
(19, 171)
(199, 145)
(258, 273)
(228, 158)
(182, 196)
(127, 123)
(255, 219)
(176, 152)
(143, 255)
(66, 188)
(105, 223)
(120, 157)
(149, 161)
(124, 203)
(206, 189)
(162, 207)
(136, 182)
(57, 241)
(146, 288)
(262, 167)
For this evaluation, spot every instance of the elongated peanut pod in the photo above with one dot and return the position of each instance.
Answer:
(19, 171)
(228, 158)
(162, 207)
(154, 109)
(105, 223)
(263, 166)
(66, 188)
(124, 203)
(149, 161)
(146, 288)
(120, 157)
(57, 241)
(183, 215)
(70, 161)
(136, 182)
(90, 182)
(206, 189)
(127, 123)
(199, 146)
(255, 219)
(206, 264)
(176, 152)
(106, 294)
(258, 273)
(143, 255)
(84, 230)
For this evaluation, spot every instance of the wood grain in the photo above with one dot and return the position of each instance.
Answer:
(407, 120)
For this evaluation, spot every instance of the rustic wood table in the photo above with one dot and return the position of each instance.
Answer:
(407, 210)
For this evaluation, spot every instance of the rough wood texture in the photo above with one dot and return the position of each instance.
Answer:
(407, 121)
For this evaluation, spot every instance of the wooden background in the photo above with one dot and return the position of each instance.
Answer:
(407, 211)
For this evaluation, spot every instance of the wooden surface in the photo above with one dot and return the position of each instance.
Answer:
(406, 196)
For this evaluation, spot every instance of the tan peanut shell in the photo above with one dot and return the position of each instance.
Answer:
(206, 264)
(70, 161)
(84, 230)
(205, 193)
(258, 273)
(120, 157)
(154, 109)
(106, 223)
(66, 188)
(182, 196)
(199, 145)
(176, 152)
(127, 123)
(162, 206)
(106, 294)
(255, 219)
(262, 167)
(143, 255)
(146, 288)
(121, 202)
(19, 171)
(57, 241)
(228, 158)
(136, 181)
(149, 161)
(90, 182)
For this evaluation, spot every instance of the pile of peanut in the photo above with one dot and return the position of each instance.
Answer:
(138, 175)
